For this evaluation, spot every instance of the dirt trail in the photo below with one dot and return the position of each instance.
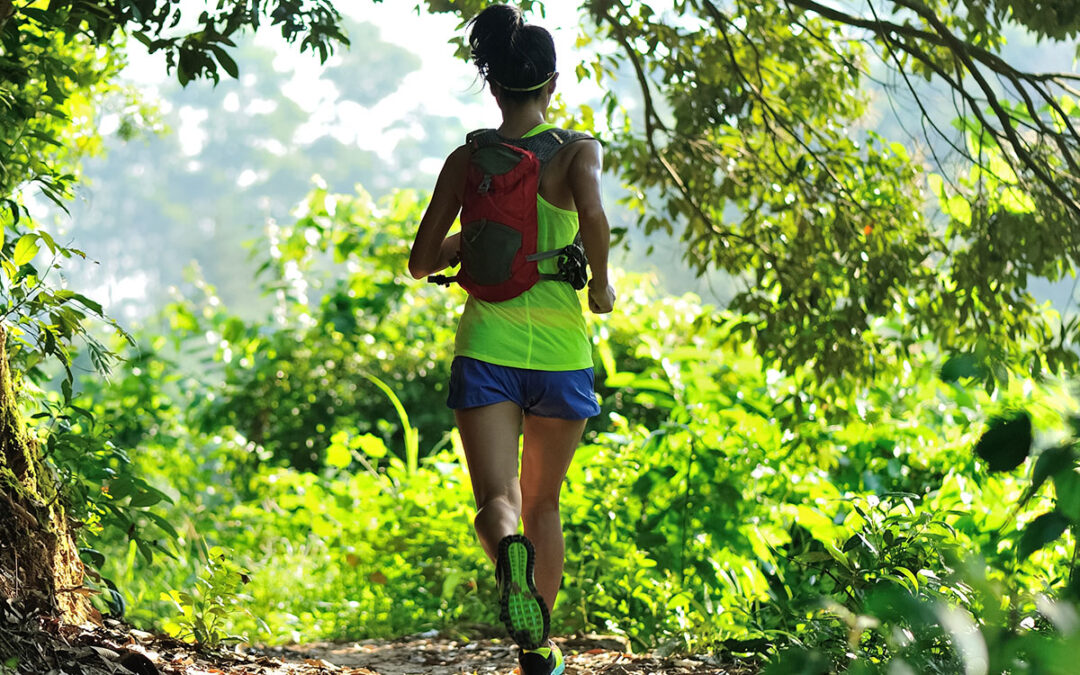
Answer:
(31, 645)
(420, 655)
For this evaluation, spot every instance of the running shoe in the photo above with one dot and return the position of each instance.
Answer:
(521, 608)
(544, 661)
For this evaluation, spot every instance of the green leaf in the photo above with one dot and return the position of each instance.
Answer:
(41, 16)
(370, 445)
(1067, 487)
(25, 249)
(338, 456)
(92, 557)
(146, 498)
(959, 366)
(959, 208)
(1040, 532)
(93, 306)
(1007, 442)
(164, 524)
(619, 380)
(145, 550)
(1051, 461)
(910, 576)
(45, 138)
(226, 61)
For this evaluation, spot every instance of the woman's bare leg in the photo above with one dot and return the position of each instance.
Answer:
(489, 435)
(548, 448)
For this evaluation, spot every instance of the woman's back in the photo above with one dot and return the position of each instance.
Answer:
(543, 328)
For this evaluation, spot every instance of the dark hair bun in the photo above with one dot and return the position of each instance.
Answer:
(509, 52)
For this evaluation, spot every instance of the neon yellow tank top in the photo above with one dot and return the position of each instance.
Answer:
(541, 329)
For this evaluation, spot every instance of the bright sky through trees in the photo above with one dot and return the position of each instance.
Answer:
(442, 83)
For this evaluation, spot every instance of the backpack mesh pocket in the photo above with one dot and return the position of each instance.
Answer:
(488, 250)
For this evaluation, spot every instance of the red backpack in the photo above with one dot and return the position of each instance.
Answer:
(498, 217)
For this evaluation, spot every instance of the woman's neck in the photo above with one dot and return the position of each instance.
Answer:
(519, 120)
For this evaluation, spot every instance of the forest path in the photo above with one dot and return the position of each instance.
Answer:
(424, 655)
(41, 645)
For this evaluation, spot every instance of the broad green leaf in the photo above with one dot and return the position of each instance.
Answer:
(959, 208)
(25, 249)
(1050, 462)
(92, 556)
(164, 524)
(936, 184)
(961, 366)
(371, 445)
(1067, 488)
(226, 61)
(1040, 532)
(619, 380)
(338, 456)
(1017, 201)
(146, 498)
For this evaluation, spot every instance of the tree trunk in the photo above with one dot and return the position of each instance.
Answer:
(7, 8)
(39, 562)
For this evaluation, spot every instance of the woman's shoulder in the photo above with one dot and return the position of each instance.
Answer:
(458, 158)
(582, 149)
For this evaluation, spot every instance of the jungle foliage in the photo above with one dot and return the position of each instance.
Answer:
(867, 463)
(750, 139)
(301, 468)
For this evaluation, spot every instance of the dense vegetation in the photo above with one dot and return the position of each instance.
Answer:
(718, 503)
(868, 462)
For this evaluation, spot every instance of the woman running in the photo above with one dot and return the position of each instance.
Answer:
(523, 366)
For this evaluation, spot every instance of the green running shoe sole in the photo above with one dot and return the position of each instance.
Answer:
(521, 608)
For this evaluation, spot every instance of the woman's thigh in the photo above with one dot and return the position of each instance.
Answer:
(547, 450)
(489, 436)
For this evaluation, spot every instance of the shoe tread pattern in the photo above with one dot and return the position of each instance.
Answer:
(521, 608)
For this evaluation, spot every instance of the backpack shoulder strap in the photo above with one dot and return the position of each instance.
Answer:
(481, 137)
(546, 144)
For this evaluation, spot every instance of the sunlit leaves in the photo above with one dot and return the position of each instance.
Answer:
(25, 250)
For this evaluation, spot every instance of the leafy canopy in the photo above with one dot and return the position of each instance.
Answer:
(749, 138)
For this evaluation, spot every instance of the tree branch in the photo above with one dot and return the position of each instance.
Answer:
(652, 122)
(959, 50)
(7, 8)
(720, 18)
(968, 56)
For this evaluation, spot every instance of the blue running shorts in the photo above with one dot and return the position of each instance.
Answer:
(566, 394)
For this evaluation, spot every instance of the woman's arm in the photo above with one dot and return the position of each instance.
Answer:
(432, 251)
(583, 177)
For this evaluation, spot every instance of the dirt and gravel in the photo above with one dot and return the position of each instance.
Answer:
(31, 645)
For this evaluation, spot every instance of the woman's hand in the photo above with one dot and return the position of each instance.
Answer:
(450, 252)
(601, 297)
